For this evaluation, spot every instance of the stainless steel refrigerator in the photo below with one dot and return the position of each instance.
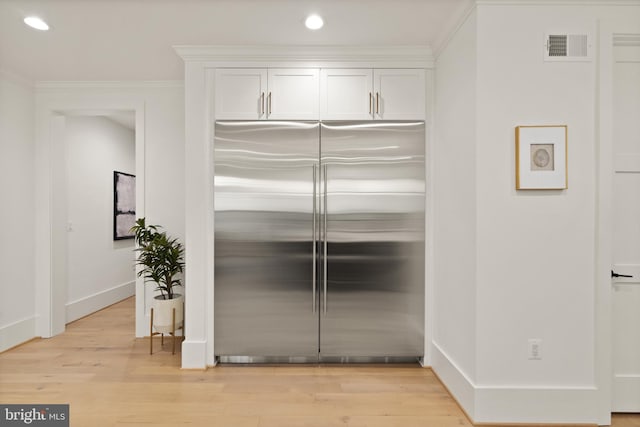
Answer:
(319, 241)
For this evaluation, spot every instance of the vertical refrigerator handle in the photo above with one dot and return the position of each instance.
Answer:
(324, 258)
(313, 242)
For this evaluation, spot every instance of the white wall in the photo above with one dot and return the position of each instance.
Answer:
(17, 306)
(455, 212)
(535, 251)
(100, 270)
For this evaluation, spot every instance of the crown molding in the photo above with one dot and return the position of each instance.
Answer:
(453, 26)
(421, 56)
(106, 85)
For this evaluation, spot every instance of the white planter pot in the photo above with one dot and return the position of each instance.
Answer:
(163, 313)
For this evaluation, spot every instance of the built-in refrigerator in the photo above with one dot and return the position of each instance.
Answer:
(319, 241)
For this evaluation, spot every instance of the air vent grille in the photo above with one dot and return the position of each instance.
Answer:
(567, 47)
(557, 45)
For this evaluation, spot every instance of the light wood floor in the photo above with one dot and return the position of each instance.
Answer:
(109, 379)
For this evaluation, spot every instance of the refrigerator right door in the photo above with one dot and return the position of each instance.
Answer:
(373, 274)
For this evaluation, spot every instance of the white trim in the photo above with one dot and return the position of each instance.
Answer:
(610, 35)
(516, 404)
(50, 311)
(92, 303)
(629, 386)
(603, 226)
(309, 56)
(430, 222)
(59, 207)
(198, 234)
(455, 379)
(44, 86)
(536, 405)
(193, 354)
(209, 226)
(452, 28)
(17, 333)
(143, 318)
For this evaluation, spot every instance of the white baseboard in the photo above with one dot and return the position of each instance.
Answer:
(517, 404)
(561, 405)
(194, 354)
(456, 381)
(626, 393)
(17, 333)
(85, 306)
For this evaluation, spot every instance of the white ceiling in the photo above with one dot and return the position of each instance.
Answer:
(133, 39)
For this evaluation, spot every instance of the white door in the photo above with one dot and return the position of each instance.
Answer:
(294, 94)
(346, 94)
(399, 94)
(240, 93)
(626, 229)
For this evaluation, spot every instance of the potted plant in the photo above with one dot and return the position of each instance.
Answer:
(162, 260)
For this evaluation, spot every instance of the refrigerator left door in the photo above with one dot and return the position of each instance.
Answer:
(264, 241)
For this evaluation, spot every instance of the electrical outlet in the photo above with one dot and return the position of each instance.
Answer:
(535, 349)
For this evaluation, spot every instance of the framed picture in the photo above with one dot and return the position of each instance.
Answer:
(124, 205)
(541, 157)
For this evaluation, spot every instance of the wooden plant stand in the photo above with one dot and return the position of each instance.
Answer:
(172, 333)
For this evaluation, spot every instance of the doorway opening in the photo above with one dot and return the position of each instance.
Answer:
(81, 267)
(99, 179)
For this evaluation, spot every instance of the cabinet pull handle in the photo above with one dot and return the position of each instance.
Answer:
(262, 104)
(269, 104)
(370, 103)
(378, 103)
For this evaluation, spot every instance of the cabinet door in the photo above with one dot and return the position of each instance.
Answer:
(346, 94)
(399, 94)
(240, 94)
(293, 94)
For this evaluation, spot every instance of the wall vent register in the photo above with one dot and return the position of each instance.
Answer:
(567, 47)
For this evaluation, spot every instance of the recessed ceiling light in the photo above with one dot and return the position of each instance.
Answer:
(314, 22)
(37, 23)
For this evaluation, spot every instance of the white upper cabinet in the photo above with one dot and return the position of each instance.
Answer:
(293, 94)
(346, 94)
(240, 93)
(312, 94)
(399, 94)
(261, 94)
(372, 94)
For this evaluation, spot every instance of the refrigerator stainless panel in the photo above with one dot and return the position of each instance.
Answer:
(264, 239)
(375, 199)
(274, 246)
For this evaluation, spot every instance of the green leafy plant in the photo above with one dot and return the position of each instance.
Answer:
(161, 257)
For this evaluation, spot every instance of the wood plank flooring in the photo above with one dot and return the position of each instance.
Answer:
(109, 379)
